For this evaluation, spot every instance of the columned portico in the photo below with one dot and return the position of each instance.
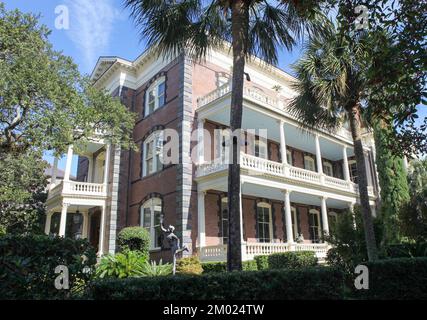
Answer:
(282, 142)
(346, 171)
(288, 217)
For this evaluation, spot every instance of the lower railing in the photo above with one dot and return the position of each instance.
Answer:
(78, 188)
(251, 250)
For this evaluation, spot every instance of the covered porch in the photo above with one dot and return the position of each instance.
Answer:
(273, 219)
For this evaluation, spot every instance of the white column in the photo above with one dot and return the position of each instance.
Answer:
(242, 241)
(324, 216)
(318, 155)
(101, 232)
(90, 168)
(200, 141)
(68, 163)
(283, 142)
(288, 218)
(48, 223)
(201, 218)
(107, 164)
(345, 164)
(85, 225)
(54, 173)
(63, 221)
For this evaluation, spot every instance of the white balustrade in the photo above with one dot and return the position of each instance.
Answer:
(304, 175)
(253, 249)
(72, 188)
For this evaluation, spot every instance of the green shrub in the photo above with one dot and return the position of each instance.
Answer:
(27, 266)
(311, 283)
(189, 265)
(396, 279)
(261, 262)
(152, 269)
(250, 265)
(134, 239)
(121, 265)
(292, 260)
(212, 267)
(406, 250)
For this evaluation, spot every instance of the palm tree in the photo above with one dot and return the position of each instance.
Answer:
(331, 89)
(255, 27)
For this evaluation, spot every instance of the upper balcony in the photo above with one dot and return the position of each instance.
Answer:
(252, 95)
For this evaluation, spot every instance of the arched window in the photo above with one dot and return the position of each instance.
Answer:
(224, 220)
(332, 219)
(152, 153)
(264, 222)
(314, 224)
(309, 163)
(155, 96)
(294, 221)
(328, 169)
(151, 211)
(261, 148)
(352, 167)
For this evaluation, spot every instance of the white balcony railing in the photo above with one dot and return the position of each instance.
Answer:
(251, 250)
(260, 97)
(260, 166)
(75, 188)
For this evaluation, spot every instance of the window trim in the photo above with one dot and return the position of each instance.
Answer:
(224, 200)
(154, 138)
(328, 164)
(295, 221)
(270, 218)
(319, 226)
(150, 203)
(154, 87)
(289, 160)
(310, 159)
(261, 145)
(334, 214)
(351, 162)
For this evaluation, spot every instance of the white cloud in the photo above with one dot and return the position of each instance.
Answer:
(91, 24)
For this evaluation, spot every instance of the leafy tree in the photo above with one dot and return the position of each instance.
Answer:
(413, 216)
(22, 192)
(393, 182)
(44, 99)
(253, 27)
(331, 88)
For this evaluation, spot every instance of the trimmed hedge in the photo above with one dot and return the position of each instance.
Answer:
(27, 266)
(313, 283)
(262, 262)
(406, 250)
(134, 239)
(189, 265)
(212, 267)
(292, 260)
(396, 279)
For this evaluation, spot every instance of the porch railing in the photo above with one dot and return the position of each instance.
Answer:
(251, 250)
(78, 188)
(261, 166)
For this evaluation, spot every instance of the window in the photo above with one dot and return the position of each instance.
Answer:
(264, 225)
(309, 163)
(151, 212)
(294, 221)
(352, 167)
(155, 96)
(314, 225)
(261, 149)
(289, 157)
(224, 220)
(153, 153)
(328, 169)
(332, 219)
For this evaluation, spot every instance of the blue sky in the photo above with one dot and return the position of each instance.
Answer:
(101, 28)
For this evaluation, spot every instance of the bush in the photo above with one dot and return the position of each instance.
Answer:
(396, 279)
(121, 265)
(406, 250)
(189, 265)
(292, 260)
(212, 267)
(312, 283)
(27, 266)
(134, 239)
(152, 269)
(261, 262)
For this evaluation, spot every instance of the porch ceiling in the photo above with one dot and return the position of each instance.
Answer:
(295, 136)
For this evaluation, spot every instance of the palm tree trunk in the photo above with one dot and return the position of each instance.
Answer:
(239, 25)
(355, 126)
